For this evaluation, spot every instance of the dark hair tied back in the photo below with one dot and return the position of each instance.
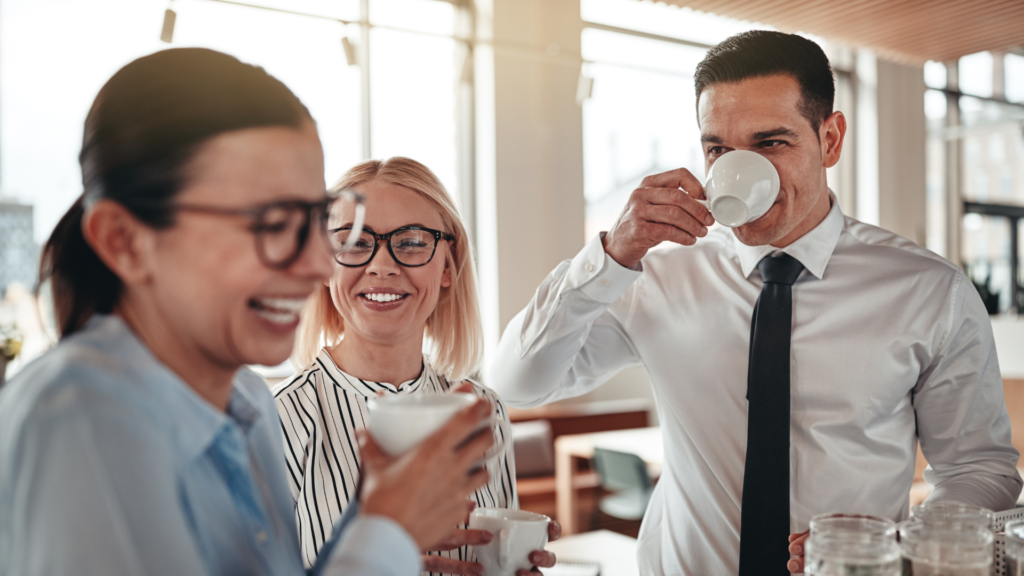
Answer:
(144, 128)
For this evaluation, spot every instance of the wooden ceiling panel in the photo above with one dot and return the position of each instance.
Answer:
(911, 31)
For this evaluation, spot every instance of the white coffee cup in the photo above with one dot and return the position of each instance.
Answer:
(516, 534)
(397, 423)
(741, 187)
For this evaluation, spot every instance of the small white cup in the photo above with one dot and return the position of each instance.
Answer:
(516, 534)
(397, 423)
(741, 187)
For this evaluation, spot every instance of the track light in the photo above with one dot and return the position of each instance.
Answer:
(350, 51)
(466, 74)
(584, 88)
(167, 34)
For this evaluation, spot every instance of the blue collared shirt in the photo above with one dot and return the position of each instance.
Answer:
(110, 464)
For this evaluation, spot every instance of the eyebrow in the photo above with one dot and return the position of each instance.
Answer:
(766, 134)
(414, 225)
(762, 135)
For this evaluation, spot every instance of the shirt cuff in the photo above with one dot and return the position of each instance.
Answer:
(598, 275)
(376, 545)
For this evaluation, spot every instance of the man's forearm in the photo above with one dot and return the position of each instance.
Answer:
(566, 341)
(992, 491)
(523, 382)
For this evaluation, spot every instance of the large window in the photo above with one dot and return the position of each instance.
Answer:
(380, 77)
(641, 119)
(54, 56)
(975, 110)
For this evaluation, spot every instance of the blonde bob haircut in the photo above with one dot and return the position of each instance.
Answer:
(453, 331)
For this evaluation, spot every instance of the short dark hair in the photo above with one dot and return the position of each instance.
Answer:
(145, 127)
(759, 53)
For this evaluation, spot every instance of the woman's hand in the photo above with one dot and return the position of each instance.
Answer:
(425, 489)
(543, 558)
(455, 540)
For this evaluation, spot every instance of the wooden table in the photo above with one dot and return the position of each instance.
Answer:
(614, 552)
(644, 442)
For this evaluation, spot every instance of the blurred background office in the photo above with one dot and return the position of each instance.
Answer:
(541, 116)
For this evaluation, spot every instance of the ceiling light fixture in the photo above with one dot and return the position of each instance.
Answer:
(584, 88)
(350, 51)
(167, 34)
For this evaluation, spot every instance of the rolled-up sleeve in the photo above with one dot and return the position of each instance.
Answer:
(962, 420)
(565, 342)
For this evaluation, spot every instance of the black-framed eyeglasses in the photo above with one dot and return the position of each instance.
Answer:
(282, 229)
(410, 246)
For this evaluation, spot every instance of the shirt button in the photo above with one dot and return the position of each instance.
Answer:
(605, 282)
(589, 267)
(261, 536)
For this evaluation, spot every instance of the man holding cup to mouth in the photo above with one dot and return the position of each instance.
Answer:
(796, 358)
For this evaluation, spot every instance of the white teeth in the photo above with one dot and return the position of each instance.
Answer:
(292, 305)
(377, 297)
(277, 317)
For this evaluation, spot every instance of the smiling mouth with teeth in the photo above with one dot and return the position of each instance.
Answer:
(383, 297)
(278, 310)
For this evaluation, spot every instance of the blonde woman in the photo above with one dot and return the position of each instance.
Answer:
(409, 283)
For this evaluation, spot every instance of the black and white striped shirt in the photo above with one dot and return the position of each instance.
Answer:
(321, 408)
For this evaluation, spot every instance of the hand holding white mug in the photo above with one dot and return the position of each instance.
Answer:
(472, 537)
(517, 546)
(425, 488)
(664, 208)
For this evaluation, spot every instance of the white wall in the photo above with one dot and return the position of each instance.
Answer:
(1009, 333)
(890, 144)
(530, 206)
(901, 150)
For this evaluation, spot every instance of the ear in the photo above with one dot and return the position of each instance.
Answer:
(831, 134)
(120, 240)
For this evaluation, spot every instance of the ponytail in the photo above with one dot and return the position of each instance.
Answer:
(81, 283)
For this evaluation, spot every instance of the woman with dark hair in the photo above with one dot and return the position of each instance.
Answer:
(140, 444)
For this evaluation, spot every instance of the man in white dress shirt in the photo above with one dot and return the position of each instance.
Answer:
(890, 344)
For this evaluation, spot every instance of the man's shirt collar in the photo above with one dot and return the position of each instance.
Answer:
(813, 249)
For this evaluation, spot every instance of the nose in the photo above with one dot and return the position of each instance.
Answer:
(382, 263)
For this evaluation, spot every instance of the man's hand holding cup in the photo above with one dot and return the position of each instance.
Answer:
(664, 208)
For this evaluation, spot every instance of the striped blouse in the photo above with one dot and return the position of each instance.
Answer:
(320, 408)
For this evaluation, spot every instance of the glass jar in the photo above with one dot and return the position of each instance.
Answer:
(935, 548)
(853, 523)
(841, 553)
(953, 513)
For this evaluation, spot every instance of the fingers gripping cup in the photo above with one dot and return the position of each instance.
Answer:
(516, 534)
(741, 187)
(398, 423)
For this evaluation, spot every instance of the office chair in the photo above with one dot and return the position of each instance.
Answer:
(626, 476)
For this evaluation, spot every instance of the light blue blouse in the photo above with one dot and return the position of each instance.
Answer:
(110, 464)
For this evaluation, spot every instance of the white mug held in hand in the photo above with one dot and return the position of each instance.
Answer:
(741, 187)
(516, 534)
(397, 423)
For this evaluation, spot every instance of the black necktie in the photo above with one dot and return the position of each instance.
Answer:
(764, 517)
